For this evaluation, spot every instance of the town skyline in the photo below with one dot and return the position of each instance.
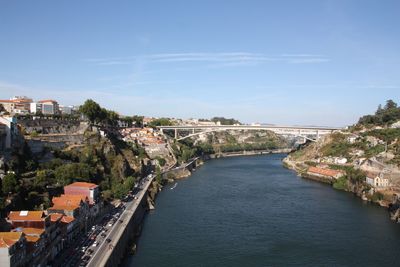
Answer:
(317, 63)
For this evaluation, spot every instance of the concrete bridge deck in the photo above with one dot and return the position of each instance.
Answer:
(301, 131)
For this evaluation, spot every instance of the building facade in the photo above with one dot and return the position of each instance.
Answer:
(12, 249)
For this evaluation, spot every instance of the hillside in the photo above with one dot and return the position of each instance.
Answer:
(39, 171)
(219, 143)
(370, 148)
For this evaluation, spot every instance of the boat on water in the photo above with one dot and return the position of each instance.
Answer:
(173, 187)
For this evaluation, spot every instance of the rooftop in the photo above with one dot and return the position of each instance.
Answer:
(25, 215)
(67, 219)
(82, 184)
(29, 231)
(69, 200)
(32, 239)
(47, 100)
(7, 239)
(55, 217)
(325, 172)
(64, 207)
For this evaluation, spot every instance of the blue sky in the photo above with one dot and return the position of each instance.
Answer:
(311, 62)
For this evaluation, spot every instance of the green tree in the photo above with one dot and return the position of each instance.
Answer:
(41, 179)
(160, 122)
(390, 105)
(138, 120)
(388, 114)
(65, 174)
(340, 184)
(161, 161)
(92, 111)
(355, 175)
(225, 121)
(10, 184)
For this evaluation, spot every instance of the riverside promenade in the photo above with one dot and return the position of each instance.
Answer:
(111, 251)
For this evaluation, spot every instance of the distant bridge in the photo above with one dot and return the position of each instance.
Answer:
(311, 133)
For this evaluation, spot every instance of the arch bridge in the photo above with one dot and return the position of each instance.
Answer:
(311, 133)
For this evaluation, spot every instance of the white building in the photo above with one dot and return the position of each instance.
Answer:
(49, 107)
(10, 131)
(66, 109)
(12, 249)
(377, 180)
(36, 108)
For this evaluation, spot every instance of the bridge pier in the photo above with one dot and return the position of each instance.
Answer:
(193, 131)
(176, 133)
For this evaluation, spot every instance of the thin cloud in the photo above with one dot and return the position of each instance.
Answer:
(226, 59)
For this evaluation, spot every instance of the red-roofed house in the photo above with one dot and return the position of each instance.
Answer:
(12, 249)
(74, 206)
(38, 219)
(91, 191)
(68, 226)
(29, 219)
(325, 173)
(36, 245)
(82, 188)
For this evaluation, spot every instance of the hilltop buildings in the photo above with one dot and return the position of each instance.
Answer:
(25, 105)
(37, 237)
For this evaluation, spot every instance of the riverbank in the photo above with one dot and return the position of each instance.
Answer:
(389, 201)
(186, 169)
(251, 153)
(233, 201)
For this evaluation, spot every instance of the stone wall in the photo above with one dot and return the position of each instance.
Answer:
(52, 126)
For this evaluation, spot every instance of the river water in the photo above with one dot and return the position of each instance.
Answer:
(250, 211)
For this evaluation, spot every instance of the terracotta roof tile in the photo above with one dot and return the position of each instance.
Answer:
(26, 216)
(82, 184)
(67, 219)
(7, 239)
(325, 172)
(47, 100)
(55, 217)
(64, 207)
(30, 231)
(32, 239)
(67, 200)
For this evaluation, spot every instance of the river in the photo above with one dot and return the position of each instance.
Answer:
(250, 211)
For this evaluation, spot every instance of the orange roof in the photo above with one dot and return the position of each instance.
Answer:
(67, 219)
(32, 239)
(54, 217)
(325, 172)
(7, 239)
(64, 207)
(26, 216)
(47, 100)
(68, 200)
(7, 101)
(372, 174)
(82, 184)
(31, 231)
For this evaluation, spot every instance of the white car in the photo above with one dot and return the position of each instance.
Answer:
(95, 244)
